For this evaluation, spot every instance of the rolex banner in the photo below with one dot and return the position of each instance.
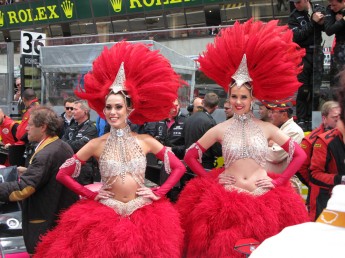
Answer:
(57, 11)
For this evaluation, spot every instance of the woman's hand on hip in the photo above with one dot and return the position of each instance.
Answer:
(147, 193)
(265, 182)
(225, 179)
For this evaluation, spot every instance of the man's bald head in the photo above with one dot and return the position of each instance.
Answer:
(29, 94)
(197, 105)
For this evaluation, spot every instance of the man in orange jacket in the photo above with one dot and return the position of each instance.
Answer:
(23, 154)
(30, 100)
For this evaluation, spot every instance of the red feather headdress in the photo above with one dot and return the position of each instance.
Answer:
(273, 59)
(149, 80)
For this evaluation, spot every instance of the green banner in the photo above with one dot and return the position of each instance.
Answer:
(56, 11)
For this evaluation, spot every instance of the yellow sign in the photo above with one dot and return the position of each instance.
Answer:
(50, 11)
(133, 4)
(40, 13)
(150, 3)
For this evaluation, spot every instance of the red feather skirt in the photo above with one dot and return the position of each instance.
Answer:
(214, 219)
(91, 229)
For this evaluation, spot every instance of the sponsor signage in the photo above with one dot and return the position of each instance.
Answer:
(57, 11)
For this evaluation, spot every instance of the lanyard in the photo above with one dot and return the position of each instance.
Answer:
(43, 144)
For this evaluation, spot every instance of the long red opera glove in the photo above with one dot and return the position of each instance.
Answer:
(177, 170)
(296, 162)
(193, 159)
(70, 168)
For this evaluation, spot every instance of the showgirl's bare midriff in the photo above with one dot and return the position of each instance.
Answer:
(124, 191)
(246, 173)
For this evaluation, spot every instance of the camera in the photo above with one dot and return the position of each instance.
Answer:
(342, 11)
(319, 8)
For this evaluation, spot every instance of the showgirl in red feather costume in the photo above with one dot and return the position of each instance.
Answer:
(124, 218)
(218, 208)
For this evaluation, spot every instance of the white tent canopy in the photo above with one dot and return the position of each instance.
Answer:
(79, 58)
(60, 64)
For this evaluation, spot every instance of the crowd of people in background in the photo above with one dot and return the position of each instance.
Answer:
(260, 156)
(307, 21)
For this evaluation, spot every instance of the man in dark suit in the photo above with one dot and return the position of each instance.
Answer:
(196, 126)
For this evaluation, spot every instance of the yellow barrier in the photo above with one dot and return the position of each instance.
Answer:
(304, 192)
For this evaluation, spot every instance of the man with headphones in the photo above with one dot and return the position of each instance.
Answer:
(78, 135)
(281, 116)
(196, 106)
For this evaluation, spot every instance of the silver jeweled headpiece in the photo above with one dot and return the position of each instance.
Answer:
(241, 76)
(119, 82)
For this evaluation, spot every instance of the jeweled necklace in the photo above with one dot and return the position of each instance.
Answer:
(243, 119)
(120, 135)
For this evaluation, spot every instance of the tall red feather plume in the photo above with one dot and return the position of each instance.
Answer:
(273, 59)
(150, 81)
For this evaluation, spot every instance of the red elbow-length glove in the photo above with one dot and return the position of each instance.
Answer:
(298, 157)
(69, 169)
(172, 164)
(193, 159)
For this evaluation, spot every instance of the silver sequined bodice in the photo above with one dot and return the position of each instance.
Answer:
(243, 139)
(121, 155)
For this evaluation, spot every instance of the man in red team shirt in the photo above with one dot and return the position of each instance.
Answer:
(330, 112)
(8, 130)
(327, 168)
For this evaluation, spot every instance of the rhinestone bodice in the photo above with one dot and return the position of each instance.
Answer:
(243, 139)
(122, 154)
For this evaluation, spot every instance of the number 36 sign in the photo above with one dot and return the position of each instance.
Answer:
(31, 42)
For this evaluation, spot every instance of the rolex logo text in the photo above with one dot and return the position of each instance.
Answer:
(150, 3)
(40, 13)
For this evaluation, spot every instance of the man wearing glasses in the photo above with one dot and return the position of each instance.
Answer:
(80, 134)
(228, 110)
(67, 115)
(18, 89)
(17, 96)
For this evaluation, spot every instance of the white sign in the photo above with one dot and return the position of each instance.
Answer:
(31, 42)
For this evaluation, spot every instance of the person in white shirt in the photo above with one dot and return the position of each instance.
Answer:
(323, 238)
(281, 116)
